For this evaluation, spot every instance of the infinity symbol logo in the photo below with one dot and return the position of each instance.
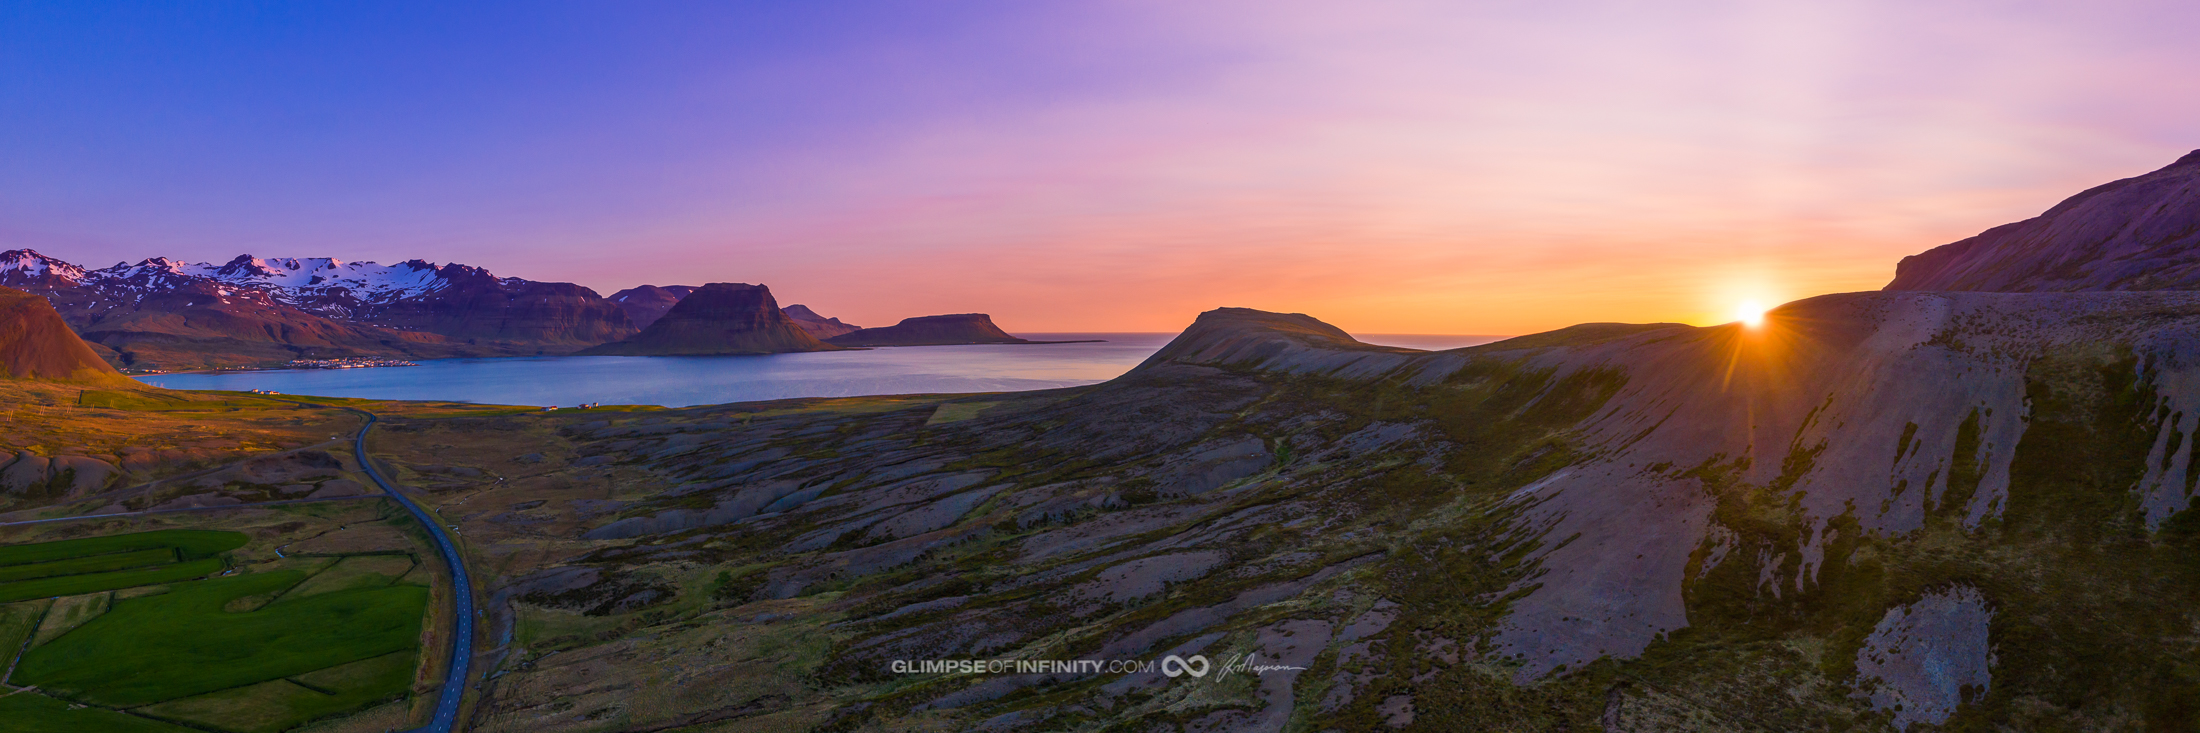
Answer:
(1175, 666)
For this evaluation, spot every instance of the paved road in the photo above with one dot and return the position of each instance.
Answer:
(462, 591)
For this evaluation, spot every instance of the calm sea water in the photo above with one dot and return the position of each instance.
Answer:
(679, 381)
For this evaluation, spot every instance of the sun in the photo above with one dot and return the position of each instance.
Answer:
(1751, 313)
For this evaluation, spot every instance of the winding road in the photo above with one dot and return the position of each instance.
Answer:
(462, 591)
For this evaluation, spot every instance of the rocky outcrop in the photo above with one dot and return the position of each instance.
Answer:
(27, 473)
(817, 325)
(961, 328)
(718, 318)
(2138, 233)
(647, 303)
(36, 344)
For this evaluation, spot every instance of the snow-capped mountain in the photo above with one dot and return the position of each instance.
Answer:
(322, 305)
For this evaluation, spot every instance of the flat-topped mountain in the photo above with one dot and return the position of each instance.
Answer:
(718, 318)
(2139, 233)
(36, 344)
(162, 313)
(644, 304)
(960, 328)
(818, 325)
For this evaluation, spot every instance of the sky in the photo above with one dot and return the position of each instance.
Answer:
(1389, 167)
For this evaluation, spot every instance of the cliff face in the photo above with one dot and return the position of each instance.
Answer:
(2139, 233)
(817, 325)
(36, 344)
(963, 328)
(647, 303)
(718, 318)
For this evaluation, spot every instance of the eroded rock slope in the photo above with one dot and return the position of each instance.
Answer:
(1648, 527)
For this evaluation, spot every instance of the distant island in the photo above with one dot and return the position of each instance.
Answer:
(947, 330)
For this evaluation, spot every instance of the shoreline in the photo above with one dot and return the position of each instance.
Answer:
(865, 347)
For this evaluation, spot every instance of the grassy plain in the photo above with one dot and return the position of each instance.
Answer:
(93, 564)
(26, 712)
(95, 582)
(188, 431)
(183, 642)
(192, 544)
(355, 571)
(277, 705)
(88, 565)
(17, 621)
(67, 613)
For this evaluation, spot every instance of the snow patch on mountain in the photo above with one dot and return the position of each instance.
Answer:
(321, 285)
(29, 264)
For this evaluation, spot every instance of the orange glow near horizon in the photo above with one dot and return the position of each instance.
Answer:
(1398, 167)
(1750, 313)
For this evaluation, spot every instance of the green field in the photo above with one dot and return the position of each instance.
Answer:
(17, 621)
(93, 564)
(280, 704)
(25, 712)
(356, 571)
(183, 643)
(157, 402)
(190, 544)
(95, 582)
(285, 643)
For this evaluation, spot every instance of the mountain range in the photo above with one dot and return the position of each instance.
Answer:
(162, 314)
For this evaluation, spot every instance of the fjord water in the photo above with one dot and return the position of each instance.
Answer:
(679, 381)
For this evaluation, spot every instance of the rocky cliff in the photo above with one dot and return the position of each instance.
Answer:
(2139, 233)
(36, 344)
(961, 328)
(718, 318)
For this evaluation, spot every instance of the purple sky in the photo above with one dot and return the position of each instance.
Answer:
(1390, 167)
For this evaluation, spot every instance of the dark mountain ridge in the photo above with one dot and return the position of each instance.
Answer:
(644, 304)
(960, 328)
(2139, 233)
(818, 325)
(165, 314)
(718, 318)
